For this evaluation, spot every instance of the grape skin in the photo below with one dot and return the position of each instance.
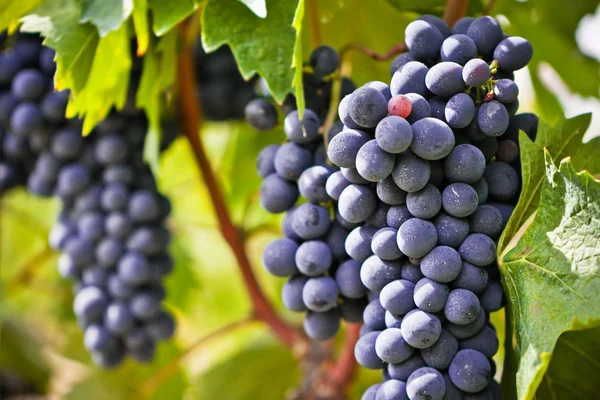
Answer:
(410, 79)
(459, 111)
(513, 53)
(426, 384)
(372, 163)
(391, 347)
(432, 139)
(420, 329)
(393, 134)
(470, 371)
(397, 296)
(367, 107)
(423, 39)
(410, 173)
(416, 237)
(357, 203)
(486, 33)
(458, 48)
(445, 79)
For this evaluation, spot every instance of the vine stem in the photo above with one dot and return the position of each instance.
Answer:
(342, 373)
(313, 20)
(192, 118)
(394, 50)
(163, 374)
(455, 10)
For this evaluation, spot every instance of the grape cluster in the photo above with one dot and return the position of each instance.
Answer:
(113, 242)
(223, 91)
(429, 172)
(322, 280)
(32, 118)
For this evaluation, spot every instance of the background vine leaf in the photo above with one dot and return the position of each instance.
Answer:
(107, 15)
(13, 10)
(550, 275)
(264, 46)
(258, 7)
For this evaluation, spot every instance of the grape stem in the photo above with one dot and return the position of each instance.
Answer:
(455, 10)
(396, 49)
(192, 117)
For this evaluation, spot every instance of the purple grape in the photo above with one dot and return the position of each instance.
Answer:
(376, 273)
(462, 307)
(430, 295)
(445, 79)
(459, 111)
(423, 39)
(373, 163)
(458, 48)
(410, 79)
(513, 53)
(367, 107)
(417, 237)
(476, 72)
(393, 134)
(411, 173)
(486, 33)
(397, 296)
(391, 347)
(470, 371)
(426, 203)
(426, 384)
(459, 199)
(421, 329)
(364, 351)
(432, 139)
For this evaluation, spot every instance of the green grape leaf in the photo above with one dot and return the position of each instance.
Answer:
(561, 140)
(13, 10)
(264, 46)
(167, 14)
(258, 7)
(107, 82)
(107, 15)
(158, 74)
(298, 59)
(75, 43)
(140, 24)
(551, 275)
(574, 368)
(267, 359)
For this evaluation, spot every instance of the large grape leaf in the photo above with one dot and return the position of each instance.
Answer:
(574, 368)
(260, 45)
(561, 140)
(107, 82)
(552, 274)
(13, 10)
(167, 14)
(75, 43)
(107, 15)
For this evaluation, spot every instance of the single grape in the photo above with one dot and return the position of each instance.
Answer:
(310, 221)
(392, 389)
(364, 351)
(381, 87)
(478, 249)
(432, 139)
(72, 179)
(465, 164)
(411, 272)
(357, 203)
(313, 258)
(462, 307)
(291, 160)
(426, 384)
(471, 278)
(384, 244)
(485, 342)
(459, 200)
(335, 185)
(371, 392)
(491, 298)
(506, 91)
(312, 184)
(468, 330)
(486, 33)
(390, 193)
(397, 296)
(376, 273)
(508, 151)
(417, 237)
(513, 53)
(442, 264)
(426, 203)
(97, 338)
(111, 149)
(265, 162)
(279, 257)
(430, 295)
(393, 134)
(367, 107)
(277, 194)
(410, 79)
(373, 163)
(324, 60)
(487, 220)
(462, 25)
(291, 293)
(28, 84)
(445, 79)
(423, 39)
(411, 173)
(401, 371)
(460, 110)
(374, 315)
(397, 215)
(420, 108)
(437, 22)
(476, 72)
(320, 294)
(302, 132)
(391, 347)
(502, 179)
(470, 371)
(90, 303)
(493, 118)
(458, 48)
(358, 242)
(25, 118)
(344, 147)
(421, 329)
(400, 105)
(261, 115)
(352, 176)
(348, 280)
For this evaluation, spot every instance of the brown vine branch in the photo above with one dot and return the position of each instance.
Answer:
(153, 383)
(396, 49)
(455, 10)
(192, 117)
